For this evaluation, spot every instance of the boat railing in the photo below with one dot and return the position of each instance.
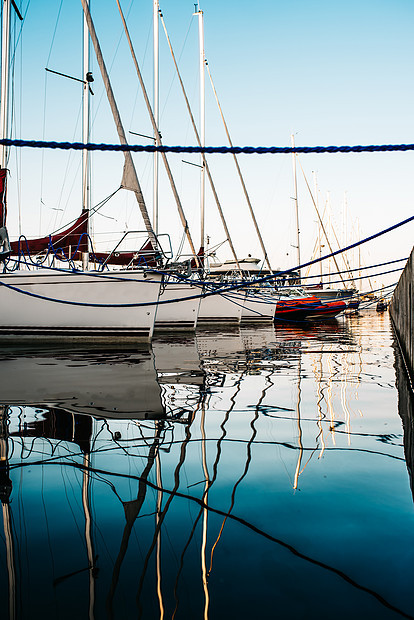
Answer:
(146, 251)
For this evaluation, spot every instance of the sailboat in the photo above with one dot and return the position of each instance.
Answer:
(215, 307)
(60, 303)
(179, 298)
(324, 293)
(225, 307)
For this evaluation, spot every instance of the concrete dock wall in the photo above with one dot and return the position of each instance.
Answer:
(406, 410)
(402, 311)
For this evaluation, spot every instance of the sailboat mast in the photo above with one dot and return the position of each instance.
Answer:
(4, 104)
(295, 198)
(156, 111)
(197, 135)
(86, 173)
(321, 222)
(315, 181)
(199, 12)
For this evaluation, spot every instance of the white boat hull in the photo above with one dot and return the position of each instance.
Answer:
(258, 309)
(86, 306)
(221, 309)
(180, 315)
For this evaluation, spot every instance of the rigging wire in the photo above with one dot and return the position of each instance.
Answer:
(59, 213)
(173, 79)
(334, 273)
(44, 115)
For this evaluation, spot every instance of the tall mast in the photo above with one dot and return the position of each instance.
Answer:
(328, 203)
(86, 199)
(321, 222)
(359, 250)
(197, 135)
(4, 104)
(199, 12)
(319, 225)
(295, 198)
(86, 170)
(156, 111)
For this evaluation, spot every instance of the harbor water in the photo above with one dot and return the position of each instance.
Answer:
(258, 472)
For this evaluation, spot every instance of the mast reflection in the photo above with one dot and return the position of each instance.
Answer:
(151, 470)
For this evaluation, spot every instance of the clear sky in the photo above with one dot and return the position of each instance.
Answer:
(330, 73)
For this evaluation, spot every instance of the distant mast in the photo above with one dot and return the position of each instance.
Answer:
(316, 191)
(295, 198)
(4, 102)
(86, 168)
(156, 112)
(199, 12)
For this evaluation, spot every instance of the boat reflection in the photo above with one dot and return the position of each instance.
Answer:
(146, 491)
(180, 375)
(108, 384)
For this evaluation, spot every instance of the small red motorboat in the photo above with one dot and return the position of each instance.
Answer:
(310, 307)
(297, 309)
(328, 309)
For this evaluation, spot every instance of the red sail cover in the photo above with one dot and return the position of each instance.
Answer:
(200, 255)
(69, 243)
(3, 209)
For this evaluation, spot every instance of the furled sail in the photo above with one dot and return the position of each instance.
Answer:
(69, 243)
(130, 179)
(200, 256)
(3, 209)
(73, 241)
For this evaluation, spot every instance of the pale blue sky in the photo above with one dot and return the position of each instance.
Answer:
(329, 72)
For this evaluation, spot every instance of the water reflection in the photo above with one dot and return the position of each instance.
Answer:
(206, 476)
(108, 384)
(405, 408)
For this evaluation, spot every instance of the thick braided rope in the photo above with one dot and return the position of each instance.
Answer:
(236, 150)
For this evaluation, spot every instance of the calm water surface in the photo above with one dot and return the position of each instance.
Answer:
(256, 473)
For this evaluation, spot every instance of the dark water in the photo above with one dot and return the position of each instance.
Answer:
(247, 474)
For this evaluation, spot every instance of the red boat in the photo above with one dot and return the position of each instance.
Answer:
(311, 307)
(328, 309)
(298, 309)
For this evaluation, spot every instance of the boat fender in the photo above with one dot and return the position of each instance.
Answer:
(5, 248)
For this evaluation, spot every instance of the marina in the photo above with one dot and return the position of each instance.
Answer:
(206, 350)
(251, 470)
(78, 283)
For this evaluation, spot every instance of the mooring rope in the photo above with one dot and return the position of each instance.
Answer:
(236, 150)
(218, 291)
